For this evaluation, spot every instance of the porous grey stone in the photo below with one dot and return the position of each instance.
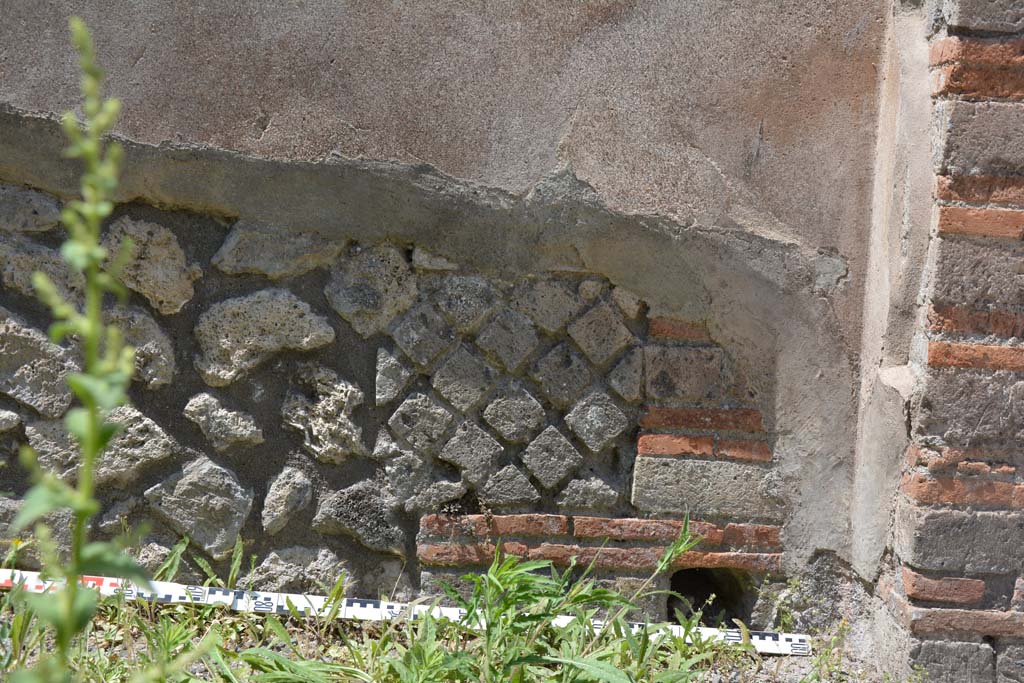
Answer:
(966, 406)
(551, 458)
(684, 374)
(325, 420)
(423, 334)
(20, 258)
(114, 520)
(466, 301)
(977, 273)
(725, 489)
(223, 428)
(156, 267)
(1010, 664)
(139, 444)
(421, 421)
(549, 303)
(33, 371)
(25, 210)
(563, 375)
(473, 451)
(204, 501)
(628, 375)
(370, 287)
(1002, 16)
(263, 250)
(154, 352)
(600, 334)
(290, 491)
(424, 260)
(9, 420)
(509, 337)
(60, 523)
(987, 542)
(387, 580)
(979, 139)
(629, 303)
(297, 569)
(591, 289)
(463, 379)
(949, 662)
(515, 414)
(238, 334)
(509, 488)
(361, 511)
(413, 485)
(597, 421)
(385, 447)
(392, 376)
(432, 497)
(588, 495)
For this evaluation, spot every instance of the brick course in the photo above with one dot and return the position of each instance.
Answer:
(952, 590)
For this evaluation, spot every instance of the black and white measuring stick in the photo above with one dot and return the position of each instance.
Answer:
(288, 604)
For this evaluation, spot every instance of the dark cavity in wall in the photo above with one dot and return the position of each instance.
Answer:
(717, 596)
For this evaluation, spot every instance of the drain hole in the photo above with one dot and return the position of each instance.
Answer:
(719, 595)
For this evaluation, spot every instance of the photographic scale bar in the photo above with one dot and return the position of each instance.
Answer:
(290, 604)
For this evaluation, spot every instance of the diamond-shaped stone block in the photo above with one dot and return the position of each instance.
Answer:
(421, 421)
(627, 377)
(392, 376)
(509, 488)
(423, 334)
(473, 451)
(510, 337)
(597, 421)
(563, 375)
(515, 414)
(368, 288)
(463, 379)
(551, 304)
(466, 300)
(601, 334)
(551, 458)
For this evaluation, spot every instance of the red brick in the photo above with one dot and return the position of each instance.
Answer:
(763, 536)
(981, 189)
(642, 529)
(670, 444)
(678, 330)
(984, 493)
(965, 320)
(979, 356)
(1003, 53)
(734, 419)
(754, 451)
(960, 220)
(978, 82)
(644, 559)
(463, 554)
(495, 525)
(956, 591)
(751, 562)
(953, 622)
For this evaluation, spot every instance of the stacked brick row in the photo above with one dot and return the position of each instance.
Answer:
(959, 528)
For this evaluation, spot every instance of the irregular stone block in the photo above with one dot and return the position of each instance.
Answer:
(510, 338)
(238, 334)
(948, 662)
(413, 486)
(683, 374)
(627, 377)
(263, 250)
(370, 287)
(308, 571)
(421, 421)
(601, 334)
(423, 334)
(28, 557)
(223, 428)
(957, 541)
(1001, 16)
(588, 495)
(551, 458)
(289, 492)
(325, 420)
(972, 406)
(629, 303)
(385, 447)
(701, 487)
(206, 502)
(20, 258)
(8, 420)
(1010, 664)
(431, 498)
(33, 371)
(466, 301)
(563, 375)
(392, 376)
(24, 210)
(424, 260)
(597, 421)
(509, 488)
(473, 451)
(360, 511)
(140, 444)
(549, 303)
(591, 290)
(515, 414)
(981, 138)
(154, 353)
(463, 379)
(156, 268)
